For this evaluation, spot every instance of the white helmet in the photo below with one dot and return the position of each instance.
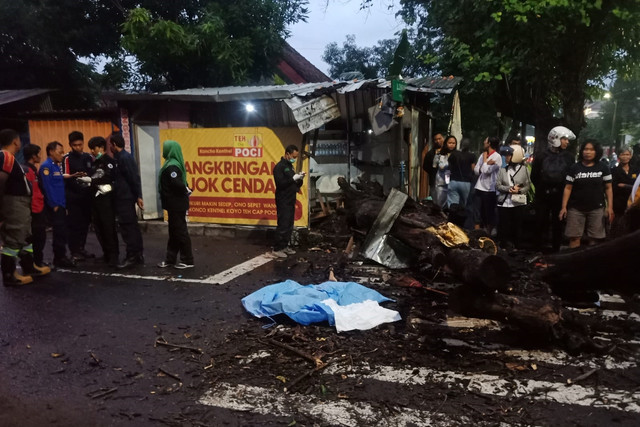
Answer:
(518, 154)
(557, 133)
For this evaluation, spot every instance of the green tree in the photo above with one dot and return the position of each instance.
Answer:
(221, 43)
(350, 57)
(537, 59)
(154, 43)
(373, 62)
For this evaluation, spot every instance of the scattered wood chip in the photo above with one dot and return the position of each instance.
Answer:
(516, 366)
(281, 378)
(56, 355)
(582, 377)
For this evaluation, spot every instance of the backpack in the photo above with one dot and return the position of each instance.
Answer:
(553, 169)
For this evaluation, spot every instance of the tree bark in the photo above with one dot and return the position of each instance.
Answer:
(608, 265)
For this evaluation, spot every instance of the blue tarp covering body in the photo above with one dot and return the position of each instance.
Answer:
(304, 304)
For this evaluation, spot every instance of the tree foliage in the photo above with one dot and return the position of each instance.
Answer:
(374, 62)
(220, 43)
(162, 44)
(538, 58)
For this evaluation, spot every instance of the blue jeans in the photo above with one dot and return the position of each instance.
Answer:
(458, 193)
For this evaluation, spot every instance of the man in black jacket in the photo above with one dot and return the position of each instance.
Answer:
(102, 180)
(548, 173)
(128, 193)
(75, 164)
(287, 184)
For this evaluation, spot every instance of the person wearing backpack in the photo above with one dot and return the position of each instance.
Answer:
(548, 173)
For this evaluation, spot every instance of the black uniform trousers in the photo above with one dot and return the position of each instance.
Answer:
(286, 209)
(104, 222)
(179, 240)
(58, 221)
(548, 203)
(78, 221)
(129, 229)
(38, 236)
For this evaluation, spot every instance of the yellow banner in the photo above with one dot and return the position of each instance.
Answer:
(231, 173)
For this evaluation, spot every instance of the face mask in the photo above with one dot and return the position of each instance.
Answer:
(292, 160)
(98, 156)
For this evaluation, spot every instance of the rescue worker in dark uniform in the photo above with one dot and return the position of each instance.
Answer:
(128, 193)
(102, 179)
(52, 182)
(15, 215)
(75, 164)
(174, 195)
(32, 157)
(288, 182)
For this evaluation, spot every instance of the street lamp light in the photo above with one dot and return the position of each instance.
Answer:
(613, 121)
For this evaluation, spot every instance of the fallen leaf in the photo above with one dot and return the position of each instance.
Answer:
(321, 339)
(342, 396)
(534, 366)
(281, 378)
(56, 355)
(187, 335)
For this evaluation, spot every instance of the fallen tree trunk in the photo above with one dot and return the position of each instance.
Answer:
(530, 314)
(608, 265)
(479, 269)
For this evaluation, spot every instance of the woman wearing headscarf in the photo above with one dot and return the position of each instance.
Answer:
(512, 186)
(174, 195)
(441, 163)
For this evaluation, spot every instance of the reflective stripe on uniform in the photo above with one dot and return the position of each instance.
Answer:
(10, 252)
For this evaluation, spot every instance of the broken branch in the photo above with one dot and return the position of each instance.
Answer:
(169, 374)
(300, 353)
(163, 342)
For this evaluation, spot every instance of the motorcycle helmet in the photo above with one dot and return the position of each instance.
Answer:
(506, 150)
(558, 132)
(518, 154)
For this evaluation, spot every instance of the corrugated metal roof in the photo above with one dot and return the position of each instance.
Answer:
(13, 95)
(247, 93)
(433, 84)
(235, 93)
(354, 85)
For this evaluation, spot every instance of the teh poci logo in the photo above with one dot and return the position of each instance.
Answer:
(247, 146)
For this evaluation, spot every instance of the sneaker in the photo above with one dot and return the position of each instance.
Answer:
(86, 254)
(77, 256)
(289, 251)
(132, 261)
(279, 254)
(64, 263)
(164, 264)
(182, 266)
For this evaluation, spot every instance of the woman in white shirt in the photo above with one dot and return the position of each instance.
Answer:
(512, 186)
(487, 168)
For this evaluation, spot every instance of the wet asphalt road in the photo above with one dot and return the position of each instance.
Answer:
(78, 349)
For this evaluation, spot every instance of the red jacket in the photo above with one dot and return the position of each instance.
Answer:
(37, 198)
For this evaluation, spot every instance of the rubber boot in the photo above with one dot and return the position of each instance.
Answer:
(29, 267)
(10, 276)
